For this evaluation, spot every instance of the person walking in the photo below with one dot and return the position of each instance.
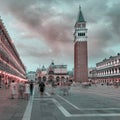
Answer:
(42, 87)
(27, 90)
(21, 89)
(31, 87)
(53, 87)
(13, 89)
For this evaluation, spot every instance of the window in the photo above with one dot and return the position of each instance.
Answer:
(81, 34)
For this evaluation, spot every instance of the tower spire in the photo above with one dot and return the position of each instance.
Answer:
(79, 8)
(80, 16)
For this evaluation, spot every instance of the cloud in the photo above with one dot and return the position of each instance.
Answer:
(51, 23)
(103, 30)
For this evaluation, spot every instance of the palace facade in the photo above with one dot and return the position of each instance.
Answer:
(107, 70)
(11, 66)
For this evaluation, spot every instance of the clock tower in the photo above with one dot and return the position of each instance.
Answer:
(80, 50)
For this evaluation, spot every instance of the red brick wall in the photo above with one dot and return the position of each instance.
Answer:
(80, 61)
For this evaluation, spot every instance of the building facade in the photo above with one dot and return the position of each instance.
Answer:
(41, 74)
(80, 50)
(11, 66)
(107, 70)
(56, 73)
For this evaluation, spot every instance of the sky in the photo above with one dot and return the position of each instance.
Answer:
(42, 30)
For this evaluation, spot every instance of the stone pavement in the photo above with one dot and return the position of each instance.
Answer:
(11, 109)
(106, 91)
(48, 107)
(81, 104)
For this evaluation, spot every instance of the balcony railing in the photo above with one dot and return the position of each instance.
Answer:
(108, 66)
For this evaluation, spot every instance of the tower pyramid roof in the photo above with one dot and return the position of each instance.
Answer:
(80, 16)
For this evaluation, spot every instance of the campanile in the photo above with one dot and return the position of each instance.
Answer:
(80, 49)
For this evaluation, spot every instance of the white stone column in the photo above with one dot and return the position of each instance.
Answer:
(114, 71)
(111, 71)
(117, 60)
(117, 70)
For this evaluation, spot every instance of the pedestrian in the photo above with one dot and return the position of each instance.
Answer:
(42, 87)
(53, 87)
(27, 90)
(65, 88)
(21, 89)
(31, 87)
(13, 89)
(6, 85)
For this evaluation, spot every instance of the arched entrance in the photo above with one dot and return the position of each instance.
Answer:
(58, 80)
(50, 78)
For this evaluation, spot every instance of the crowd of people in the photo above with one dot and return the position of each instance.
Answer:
(24, 89)
(21, 89)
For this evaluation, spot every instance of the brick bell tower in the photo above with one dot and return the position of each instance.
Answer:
(80, 50)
